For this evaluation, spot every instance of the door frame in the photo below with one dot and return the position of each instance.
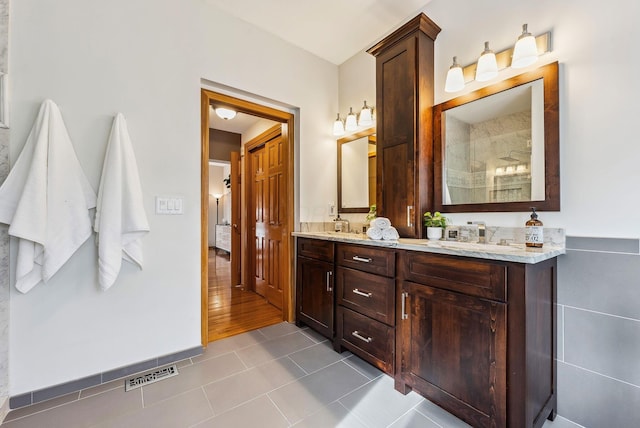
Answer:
(208, 98)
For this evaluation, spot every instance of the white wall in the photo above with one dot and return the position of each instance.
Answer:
(598, 145)
(146, 59)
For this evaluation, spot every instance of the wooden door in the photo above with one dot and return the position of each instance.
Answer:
(268, 216)
(257, 159)
(453, 349)
(275, 212)
(236, 251)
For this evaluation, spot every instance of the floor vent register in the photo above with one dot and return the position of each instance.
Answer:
(151, 377)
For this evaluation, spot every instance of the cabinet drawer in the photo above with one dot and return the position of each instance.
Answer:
(367, 338)
(367, 259)
(474, 277)
(369, 294)
(316, 249)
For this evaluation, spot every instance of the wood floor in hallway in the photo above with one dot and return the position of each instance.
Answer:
(232, 309)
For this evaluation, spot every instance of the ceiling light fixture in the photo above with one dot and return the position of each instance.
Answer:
(225, 113)
(455, 78)
(525, 51)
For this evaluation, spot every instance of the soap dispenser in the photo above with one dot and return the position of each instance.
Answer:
(533, 235)
(337, 224)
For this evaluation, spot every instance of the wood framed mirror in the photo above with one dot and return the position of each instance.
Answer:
(497, 149)
(357, 171)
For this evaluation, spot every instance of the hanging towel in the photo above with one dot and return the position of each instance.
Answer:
(381, 222)
(374, 233)
(120, 217)
(45, 200)
(390, 234)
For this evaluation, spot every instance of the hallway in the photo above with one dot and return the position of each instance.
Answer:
(232, 309)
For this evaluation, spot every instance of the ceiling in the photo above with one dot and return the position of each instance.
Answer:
(239, 124)
(331, 29)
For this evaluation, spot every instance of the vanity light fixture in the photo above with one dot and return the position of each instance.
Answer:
(225, 113)
(455, 78)
(338, 126)
(487, 67)
(351, 124)
(525, 51)
(366, 116)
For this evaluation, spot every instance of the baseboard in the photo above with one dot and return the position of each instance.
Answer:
(44, 394)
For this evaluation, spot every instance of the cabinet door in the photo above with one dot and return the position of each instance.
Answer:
(314, 286)
(396, 88)
(453, 351)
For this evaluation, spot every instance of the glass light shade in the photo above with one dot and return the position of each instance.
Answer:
(366, 118)
(352, 123)
(338, 126)
(526, 51)
(455, 78)
(499, 170)
(225, 113)
(509, 169)
(487, 67)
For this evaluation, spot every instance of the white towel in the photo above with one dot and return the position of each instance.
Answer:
(120, 217)
(390, 234)
(381, 223)
(374, 233)
(46, 199)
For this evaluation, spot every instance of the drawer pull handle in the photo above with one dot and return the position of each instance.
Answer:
(329, 289)
(409, 215)
(361, 259)
(359, 336)
(361, 293)
(405, 316)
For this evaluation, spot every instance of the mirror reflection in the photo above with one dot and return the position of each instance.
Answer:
(497, 149)
(357, 172)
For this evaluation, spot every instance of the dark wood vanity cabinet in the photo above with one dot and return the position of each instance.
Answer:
(404, 101)
(365, 303)
(315, 284)
(477, 337)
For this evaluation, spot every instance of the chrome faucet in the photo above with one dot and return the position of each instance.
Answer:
(481, 231)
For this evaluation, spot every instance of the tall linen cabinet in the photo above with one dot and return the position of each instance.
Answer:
(404, 100)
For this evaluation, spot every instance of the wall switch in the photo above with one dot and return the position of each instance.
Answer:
(332, 209)
(168, 205)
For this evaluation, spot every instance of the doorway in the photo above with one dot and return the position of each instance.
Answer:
(272, 258)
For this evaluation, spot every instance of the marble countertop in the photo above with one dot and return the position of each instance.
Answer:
(518, 253)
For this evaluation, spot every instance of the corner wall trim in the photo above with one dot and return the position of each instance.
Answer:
(44, 394)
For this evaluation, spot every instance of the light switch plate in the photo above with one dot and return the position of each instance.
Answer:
(169, 205)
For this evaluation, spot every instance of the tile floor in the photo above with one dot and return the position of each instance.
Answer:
(277, 376)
